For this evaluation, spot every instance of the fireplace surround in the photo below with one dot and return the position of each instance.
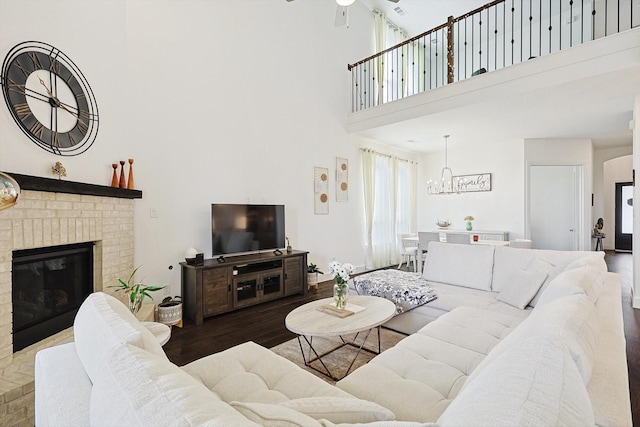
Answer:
(52, 212)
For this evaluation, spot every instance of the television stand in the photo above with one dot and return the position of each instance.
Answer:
(226, 284)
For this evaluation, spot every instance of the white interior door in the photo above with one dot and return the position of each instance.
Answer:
(554, 200)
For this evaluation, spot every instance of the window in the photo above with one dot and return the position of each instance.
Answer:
(389, 201)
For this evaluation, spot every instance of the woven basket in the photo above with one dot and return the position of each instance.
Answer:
(170, 312)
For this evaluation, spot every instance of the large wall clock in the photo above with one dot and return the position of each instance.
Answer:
(49, 98)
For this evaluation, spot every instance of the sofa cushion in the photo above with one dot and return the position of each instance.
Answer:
(508, 259)
(426, 370)
(137, 388)
(103, 323)
(251, 373)
(444, 261)
(268, 415)
(340, 409)
(593, 259)
(58, 368)
(523, 287)
(535, 383)
(582, 280)
(572, 318)
(538, 265)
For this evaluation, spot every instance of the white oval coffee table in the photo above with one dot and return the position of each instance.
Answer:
(310, 321)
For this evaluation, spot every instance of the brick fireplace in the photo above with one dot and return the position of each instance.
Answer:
(49, 213)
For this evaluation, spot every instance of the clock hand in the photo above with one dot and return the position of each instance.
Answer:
(48, 91)
(60, 104)
(77, 116)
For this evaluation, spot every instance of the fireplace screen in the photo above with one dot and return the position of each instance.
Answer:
(48, 286)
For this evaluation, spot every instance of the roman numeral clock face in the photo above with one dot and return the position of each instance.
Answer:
(49, 98)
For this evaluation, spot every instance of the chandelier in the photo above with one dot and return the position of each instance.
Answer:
(446, 184)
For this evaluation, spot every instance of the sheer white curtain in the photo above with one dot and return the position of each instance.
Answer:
(389, 202)
(391, 69)
(380, 41)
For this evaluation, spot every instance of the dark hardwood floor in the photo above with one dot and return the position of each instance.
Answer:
(264, 324)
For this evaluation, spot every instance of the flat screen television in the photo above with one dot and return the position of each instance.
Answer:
(238, 228)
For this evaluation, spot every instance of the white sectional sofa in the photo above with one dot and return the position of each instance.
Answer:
(116, 374)
(482, 361)
(488, 357)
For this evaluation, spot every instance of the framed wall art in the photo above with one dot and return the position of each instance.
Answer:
(342, 179)
(472, 183)
(320, 190)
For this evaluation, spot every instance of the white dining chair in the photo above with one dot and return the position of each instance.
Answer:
(460, 238)
(409, 250)
(424, 237)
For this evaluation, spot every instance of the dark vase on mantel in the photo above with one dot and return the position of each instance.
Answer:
(123, 183)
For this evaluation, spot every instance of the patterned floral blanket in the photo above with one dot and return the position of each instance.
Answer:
(406, 290)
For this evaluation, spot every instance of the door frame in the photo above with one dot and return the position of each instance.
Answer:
(617, 233)
(580, 200)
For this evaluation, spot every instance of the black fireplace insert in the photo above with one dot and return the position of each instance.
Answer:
(48, 286)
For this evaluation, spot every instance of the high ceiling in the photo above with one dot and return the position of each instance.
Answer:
(422, 15)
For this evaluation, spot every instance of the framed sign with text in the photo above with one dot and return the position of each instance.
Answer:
(472, 183)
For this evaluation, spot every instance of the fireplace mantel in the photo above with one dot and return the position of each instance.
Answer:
(37, 183)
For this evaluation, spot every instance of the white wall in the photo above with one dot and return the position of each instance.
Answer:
(567, 152)
(218, 101)
(502, 208)
(619, 169)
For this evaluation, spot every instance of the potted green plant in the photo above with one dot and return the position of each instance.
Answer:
(135, 292)
(312, 275)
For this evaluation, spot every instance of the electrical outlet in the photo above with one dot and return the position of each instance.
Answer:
(153, 213)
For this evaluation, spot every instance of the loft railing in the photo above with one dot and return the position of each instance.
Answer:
(494, 36)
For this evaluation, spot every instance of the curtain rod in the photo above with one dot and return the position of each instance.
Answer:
(369, 150)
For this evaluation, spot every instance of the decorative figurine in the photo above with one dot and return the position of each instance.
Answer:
(597, 230)
(59, 170)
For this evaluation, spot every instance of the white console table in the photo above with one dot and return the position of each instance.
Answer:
(482, 234)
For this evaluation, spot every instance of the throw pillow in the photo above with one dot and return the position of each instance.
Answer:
(592, 260)
(523, 287)
(340, 409)
(538, 265)
(582, 280)
(267, 414)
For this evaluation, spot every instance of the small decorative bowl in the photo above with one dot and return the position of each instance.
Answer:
(443, 224)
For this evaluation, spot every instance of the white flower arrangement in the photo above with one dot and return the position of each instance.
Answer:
(341, 272)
